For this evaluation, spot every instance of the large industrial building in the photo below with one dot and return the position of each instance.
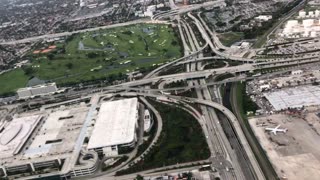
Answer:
(40, 90)
(306, 25)
(65, 139)
(45, 143)
(294, 97)
(117, 122)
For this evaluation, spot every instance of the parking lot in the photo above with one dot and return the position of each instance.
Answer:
(284, 89)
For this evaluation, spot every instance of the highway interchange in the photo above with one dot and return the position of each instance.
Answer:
(234, 159)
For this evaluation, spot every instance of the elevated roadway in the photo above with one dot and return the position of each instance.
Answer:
(189, 56)
(232, 70)
(213, 35)
(190, 75)
(222, 152)
(222, 109)
(172, 5)
(219, 154)
(201, 59)
(213, 47)
(185, 9)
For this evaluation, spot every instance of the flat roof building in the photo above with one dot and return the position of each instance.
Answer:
(294, 97)
(44, 142)
(29, 92)
(147, 121)
(65, 139)
(15, 134)
(115, 126)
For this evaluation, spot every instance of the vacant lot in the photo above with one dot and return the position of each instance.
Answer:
(229, 38)
(295, 154)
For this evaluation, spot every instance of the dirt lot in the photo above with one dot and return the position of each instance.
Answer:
(295, 155)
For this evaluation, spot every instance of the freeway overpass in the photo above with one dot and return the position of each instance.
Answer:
(212, 45)
(244, 68)
(222, 109)
(191, 75)
(185, 9)
(201, 59)
(190, 56)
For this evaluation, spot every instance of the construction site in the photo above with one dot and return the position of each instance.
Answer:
(294, 151)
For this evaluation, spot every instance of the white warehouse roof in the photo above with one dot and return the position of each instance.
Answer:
(115, 124)
(13, 137)
(294, 97)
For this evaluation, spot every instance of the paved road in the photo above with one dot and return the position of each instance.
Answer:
(264, 162)
(172, 4)
(233, 70)
(187, 56)
(215, 124)
(212, 45)
(57, 35)
(159, 128)
(185, 9)
(155, 172)
(219, 155)
(285, 18)
(234, 122)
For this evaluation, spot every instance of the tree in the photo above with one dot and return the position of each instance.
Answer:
(139, 177)
(174, 43)
(28, 70)
(50, 56)
(92, 55)
(63, 50)
(69, 65)
(129, 33)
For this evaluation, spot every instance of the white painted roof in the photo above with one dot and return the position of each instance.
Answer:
(115, 123)
(294, 97)
(65, 131)
(147, 120)
(16, 133)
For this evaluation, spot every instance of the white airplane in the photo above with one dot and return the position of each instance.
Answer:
(276, 129)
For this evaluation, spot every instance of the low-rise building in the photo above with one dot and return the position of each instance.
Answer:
(115, 126)
(39, 90)
(147, 121)
(46, 143)
(263, 17)
(296, 72)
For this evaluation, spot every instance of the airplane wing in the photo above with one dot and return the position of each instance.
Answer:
(274, 132)
(277, 127)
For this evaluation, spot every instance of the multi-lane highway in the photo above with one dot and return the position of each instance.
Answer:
(218, 143)
(177, 11)
(232, 157)
(219, 155)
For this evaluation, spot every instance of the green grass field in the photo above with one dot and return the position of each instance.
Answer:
(11, 81)
(229, 38)
(99, 54)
